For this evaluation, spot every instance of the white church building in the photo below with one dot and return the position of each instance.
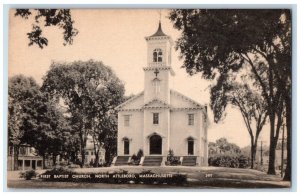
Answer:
(159, 118)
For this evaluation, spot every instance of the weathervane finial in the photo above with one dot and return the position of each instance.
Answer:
(159, 15)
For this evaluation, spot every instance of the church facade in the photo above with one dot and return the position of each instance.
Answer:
(160, 119)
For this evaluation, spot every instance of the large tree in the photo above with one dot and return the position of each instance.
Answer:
(60, 18)
(49, 135)
(90, 91)
(33, 119)
(250, 104)
(217, 42)
(22, 93)
(222, 146)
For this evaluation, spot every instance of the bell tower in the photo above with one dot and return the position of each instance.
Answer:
(158, 69)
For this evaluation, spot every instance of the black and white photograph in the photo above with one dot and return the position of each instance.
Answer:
(160, 98)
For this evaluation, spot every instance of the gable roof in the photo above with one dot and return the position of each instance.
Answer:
(129, 100)
(156, 103)
(178, 102)
(195, 104)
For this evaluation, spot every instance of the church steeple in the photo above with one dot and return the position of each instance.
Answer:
(158, 70)
(159, 31)
(159, 48)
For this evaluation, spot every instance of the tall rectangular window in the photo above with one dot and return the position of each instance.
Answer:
(190, 147)
(126, 120)
(155, 118)
(126, 146)
(191, 119)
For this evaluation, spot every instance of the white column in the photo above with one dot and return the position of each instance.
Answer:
(164, 143)
(169, 129)
(23, 165)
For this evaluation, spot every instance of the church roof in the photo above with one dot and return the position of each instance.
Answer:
(156, 103)
(129, 100)
(159, 31)
(186, 98)
(178, 102)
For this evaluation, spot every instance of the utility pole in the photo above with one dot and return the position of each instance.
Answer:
(261, 153)
(282, 150)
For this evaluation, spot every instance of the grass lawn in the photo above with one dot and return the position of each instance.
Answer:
(198, 177)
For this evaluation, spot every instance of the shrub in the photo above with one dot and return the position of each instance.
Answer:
(62, 164)
(59, 170)
(224, 160)
(243, 161)
(71, 166)
(171, 159)
(140, 154)
(136, 159)
(28, 174)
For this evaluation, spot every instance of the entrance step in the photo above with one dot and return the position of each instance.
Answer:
(189, 161)
(152, 161)
(122, 160)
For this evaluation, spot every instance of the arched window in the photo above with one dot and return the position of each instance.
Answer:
(157, 55)
(156, 84)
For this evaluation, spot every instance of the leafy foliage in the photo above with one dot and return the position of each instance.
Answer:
(225, 154)
(172, 159)
(137, 158)
(33, 119)
(212, 40)
(222, 146)
(218, 43)
(228, 160)
(48, 17)
(22, 121)
(27, 175)
(249, 102)
(90, 91)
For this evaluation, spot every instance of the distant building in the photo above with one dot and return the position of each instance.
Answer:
(90, 153)
(27, 159)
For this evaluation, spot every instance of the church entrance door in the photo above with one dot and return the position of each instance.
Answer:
(155, 145)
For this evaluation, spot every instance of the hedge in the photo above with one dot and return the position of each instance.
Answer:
(228, 160)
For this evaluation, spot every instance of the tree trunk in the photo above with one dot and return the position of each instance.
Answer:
(96, 151)
(82, 157)
(253, 153)
(82, 146)
(107, 157)
(54, 159)
(43, 166)
(16, 157)
(287, 174)
(273, 142)
(73, 157)
(96, 162)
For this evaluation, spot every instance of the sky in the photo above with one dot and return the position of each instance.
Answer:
(117, 38)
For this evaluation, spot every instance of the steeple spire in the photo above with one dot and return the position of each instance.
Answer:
(159, 31)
